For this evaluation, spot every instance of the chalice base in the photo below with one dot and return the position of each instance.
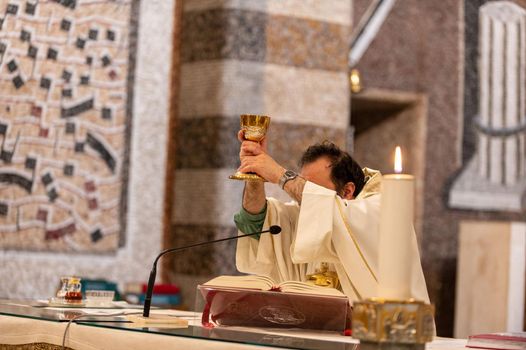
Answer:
(246, 177)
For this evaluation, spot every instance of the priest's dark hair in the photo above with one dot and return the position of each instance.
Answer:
(344, 168)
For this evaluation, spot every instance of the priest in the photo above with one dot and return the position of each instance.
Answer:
(330, 229)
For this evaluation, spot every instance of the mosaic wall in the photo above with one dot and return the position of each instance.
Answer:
(37, 273)
(64, 123)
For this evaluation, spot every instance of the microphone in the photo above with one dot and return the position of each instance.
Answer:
(274, 229)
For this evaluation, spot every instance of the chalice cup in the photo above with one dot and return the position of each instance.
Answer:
(255, 128)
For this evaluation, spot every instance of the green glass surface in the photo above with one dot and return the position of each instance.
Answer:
(33, 310)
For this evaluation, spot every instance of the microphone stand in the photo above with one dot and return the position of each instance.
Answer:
(274, 229)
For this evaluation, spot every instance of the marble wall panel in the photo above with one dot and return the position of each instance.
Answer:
(306, 96)
(214, 259)
(219, 88)
(308, 44)
(491, 266)
(256, 36)
(200, 5)
(335, 11)
(288, 94)
(210, 142)
(223, 34)
(210, 197)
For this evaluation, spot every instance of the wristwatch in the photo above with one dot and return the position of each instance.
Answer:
(287, 176)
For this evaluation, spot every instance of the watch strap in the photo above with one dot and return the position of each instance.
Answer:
(286, 177)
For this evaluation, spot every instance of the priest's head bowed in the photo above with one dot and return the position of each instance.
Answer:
(327, 165)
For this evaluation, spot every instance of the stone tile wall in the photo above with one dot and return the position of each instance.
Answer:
(424, 47)
(284, 59)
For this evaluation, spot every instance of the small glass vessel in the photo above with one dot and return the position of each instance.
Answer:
(73, 293)
(61, 293)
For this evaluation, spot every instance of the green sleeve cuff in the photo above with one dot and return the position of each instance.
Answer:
(248, 223)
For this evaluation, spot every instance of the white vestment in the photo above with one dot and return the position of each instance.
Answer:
(326, 228)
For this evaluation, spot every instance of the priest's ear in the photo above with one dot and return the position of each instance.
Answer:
(348, 190)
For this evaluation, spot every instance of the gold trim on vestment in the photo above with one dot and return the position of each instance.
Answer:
(373, 181)
(355, 290)
(348, 227)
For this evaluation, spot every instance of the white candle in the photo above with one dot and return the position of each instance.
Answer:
(396, 228)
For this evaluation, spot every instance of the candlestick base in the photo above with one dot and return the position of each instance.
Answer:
(367, 345)
(393, 324)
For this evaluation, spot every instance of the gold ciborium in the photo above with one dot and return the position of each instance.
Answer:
(254, 128)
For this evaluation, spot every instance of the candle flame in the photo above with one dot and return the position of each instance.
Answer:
(398, 160)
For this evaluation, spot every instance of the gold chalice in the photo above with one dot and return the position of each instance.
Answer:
(255, 128)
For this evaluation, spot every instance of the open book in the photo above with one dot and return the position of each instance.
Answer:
(267, 283)
(256, 301)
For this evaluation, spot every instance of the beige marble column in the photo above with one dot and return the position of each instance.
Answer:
(284, 59)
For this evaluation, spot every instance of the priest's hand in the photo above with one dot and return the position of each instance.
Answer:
(262, 164)
(255, 159)
(251, 148)
(254, 199)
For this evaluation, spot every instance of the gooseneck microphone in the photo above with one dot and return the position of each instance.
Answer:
(274, 229)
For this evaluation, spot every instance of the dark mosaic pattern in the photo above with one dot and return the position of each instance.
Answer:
(220, 34)
(215, 259)
(307, 43)
(255, 36)
(212, 143)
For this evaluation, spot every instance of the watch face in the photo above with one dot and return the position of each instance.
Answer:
(290, 174)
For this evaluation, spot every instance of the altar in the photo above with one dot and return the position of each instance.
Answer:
(35, 327)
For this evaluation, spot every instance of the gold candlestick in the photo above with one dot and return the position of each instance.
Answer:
(383, 324)
(255, 128)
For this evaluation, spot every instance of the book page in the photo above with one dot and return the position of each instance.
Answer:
(248, 281)
(305, 288)
(267, 283)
